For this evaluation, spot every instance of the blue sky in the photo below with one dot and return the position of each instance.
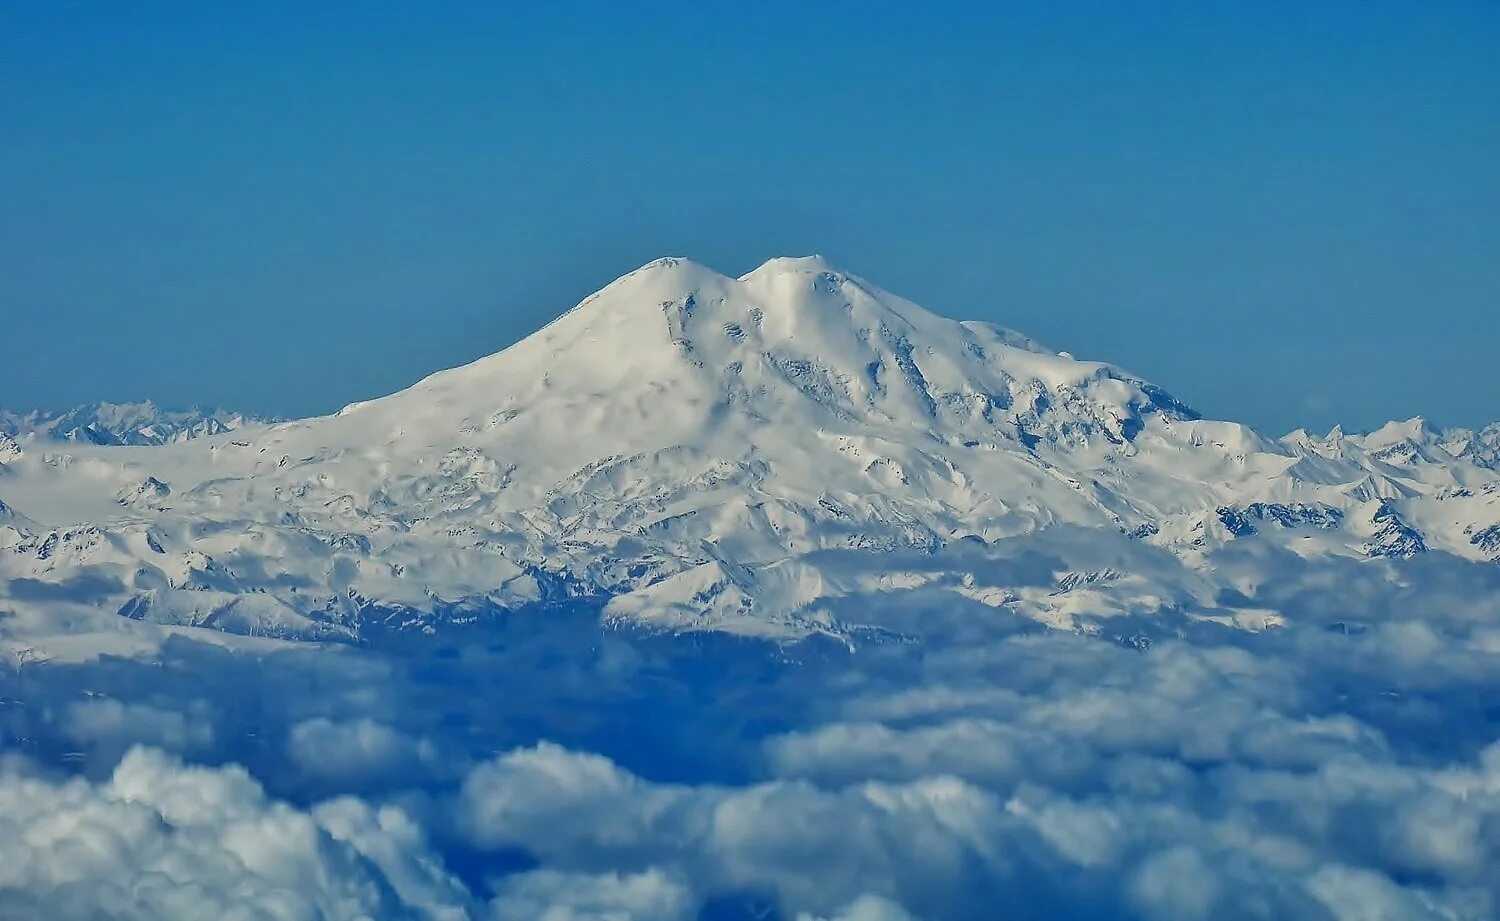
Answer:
(1286, 213)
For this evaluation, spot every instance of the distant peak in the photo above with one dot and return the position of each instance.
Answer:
(661, 277)
(1413, 429)
(671, 267)
(665, 262)
(814, 264)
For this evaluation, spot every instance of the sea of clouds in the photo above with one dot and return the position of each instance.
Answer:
(958, 763)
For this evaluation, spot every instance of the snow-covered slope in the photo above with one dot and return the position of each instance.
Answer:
(761, 454)
(142, 423)
(1412, 441)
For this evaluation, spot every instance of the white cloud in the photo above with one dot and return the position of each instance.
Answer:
(389, 839)
(816, 848)
(866, 908)
(547, 895)
(117, 725)
(1299, 773)
(354, 750)
(1350, 894)
(164, 840)
(1176, 885)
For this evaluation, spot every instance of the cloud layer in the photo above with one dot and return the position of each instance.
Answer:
(973, 766)
(161, 839)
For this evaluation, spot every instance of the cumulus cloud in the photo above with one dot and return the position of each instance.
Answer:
(1239, 842)
(1188, 780)
(397, 846)
(961, 766)
(814, 847)
(548, 895)
(866, 908)
(161, 839)
(350, 751)
(115, 725)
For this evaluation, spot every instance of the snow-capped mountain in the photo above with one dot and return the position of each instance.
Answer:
(762, 454)
(142, 423)
(1412, 441)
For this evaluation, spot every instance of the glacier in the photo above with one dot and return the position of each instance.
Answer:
(771, 596)
(748, 454)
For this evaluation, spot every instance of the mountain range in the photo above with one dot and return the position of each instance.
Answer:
(776, 454)
(142, 423)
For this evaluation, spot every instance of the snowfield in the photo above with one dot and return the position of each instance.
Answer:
(775, 596)
(704, 452)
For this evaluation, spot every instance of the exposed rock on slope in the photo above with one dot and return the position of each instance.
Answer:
(761, 454)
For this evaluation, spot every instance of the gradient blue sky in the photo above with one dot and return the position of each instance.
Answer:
(1286, 213)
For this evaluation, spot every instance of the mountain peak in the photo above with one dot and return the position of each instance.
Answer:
(813, 264)
(1411, 432)
(667, 275)
(691, 443)
(676, 353)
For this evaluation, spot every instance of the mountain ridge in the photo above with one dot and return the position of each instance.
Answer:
(753, 454)
(140, 423)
